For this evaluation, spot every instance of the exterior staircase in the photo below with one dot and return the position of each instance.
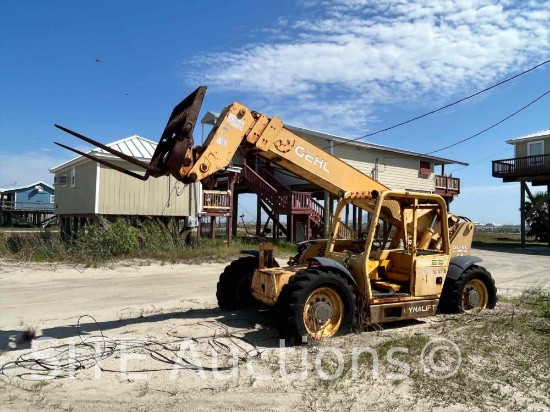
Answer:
(277, 199)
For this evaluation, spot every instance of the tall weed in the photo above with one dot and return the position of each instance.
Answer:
(104, 241)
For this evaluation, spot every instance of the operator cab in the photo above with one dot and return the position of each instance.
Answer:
(408, 258)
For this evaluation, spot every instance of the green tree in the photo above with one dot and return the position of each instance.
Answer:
(538, 222)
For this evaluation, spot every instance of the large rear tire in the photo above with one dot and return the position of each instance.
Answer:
(234, 289)
(315, 303)
(474, 289)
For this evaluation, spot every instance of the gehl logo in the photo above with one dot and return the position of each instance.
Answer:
(311, 158)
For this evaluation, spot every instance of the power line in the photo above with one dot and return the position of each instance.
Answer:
(493, 125)
(444, 107)
(479, 161)
(242, 207)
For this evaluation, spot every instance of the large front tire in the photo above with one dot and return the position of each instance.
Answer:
(315, 303)
(474, 289)
(234, 289)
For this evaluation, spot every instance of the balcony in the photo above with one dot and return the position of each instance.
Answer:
(39, 207)
(447, 186)
(520, 167)
(216, 201)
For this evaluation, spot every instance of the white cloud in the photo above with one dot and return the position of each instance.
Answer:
(348, 55)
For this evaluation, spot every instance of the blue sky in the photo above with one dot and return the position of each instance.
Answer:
(347, 67)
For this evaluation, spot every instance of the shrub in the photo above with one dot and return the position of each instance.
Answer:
(118, 239)
(538, 300)
(103, 241)
(539, 219)
(3, 245)
(15, 244)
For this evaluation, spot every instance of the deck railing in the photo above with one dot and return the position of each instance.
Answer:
(522, 166)
(273, 181)
(301, 202)
(317, 209)
(215, 200)
(257, 182)
(344, 231)
(26, 206)
(450, 185)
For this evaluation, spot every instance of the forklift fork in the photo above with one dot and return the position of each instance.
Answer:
(174, 153)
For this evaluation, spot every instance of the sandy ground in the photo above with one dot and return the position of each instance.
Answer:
(515, 270)
(152, 316)
(31, 295)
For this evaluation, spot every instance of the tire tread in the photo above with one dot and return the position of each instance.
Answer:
(229, 278)
(452, 289)
(295, 293)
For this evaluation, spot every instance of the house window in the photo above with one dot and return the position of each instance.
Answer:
(425, 168)
(535, 148)
(73, 177)
(60, 180)
(52, 198)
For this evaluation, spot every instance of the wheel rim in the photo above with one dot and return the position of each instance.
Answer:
(475, 295)
(323, 312)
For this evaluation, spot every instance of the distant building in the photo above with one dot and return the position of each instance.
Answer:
(29, 204)
(394, 168)
(530, 164)
(85, 189)
(282, 194)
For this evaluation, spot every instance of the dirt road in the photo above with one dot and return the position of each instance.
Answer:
(159, 305)
(516, 270)
(30, 294)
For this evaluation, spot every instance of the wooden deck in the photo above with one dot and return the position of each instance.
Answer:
(216, 201)
(522, 167)
(447, 186)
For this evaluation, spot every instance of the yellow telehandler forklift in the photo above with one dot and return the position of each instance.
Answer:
(425, 265)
